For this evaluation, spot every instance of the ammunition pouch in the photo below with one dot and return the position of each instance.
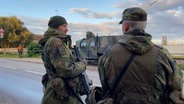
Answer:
(60, 88)
(85, 84)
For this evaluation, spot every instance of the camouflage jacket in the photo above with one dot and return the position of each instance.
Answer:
(152, 72)
(59, 64)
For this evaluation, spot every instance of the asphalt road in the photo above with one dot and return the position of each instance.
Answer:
(20, 82)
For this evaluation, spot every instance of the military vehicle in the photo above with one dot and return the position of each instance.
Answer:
(92, 47)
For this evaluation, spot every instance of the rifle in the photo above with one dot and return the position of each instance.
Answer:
(84, 81)
(76, 53)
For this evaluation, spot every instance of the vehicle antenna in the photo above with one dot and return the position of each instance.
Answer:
(151, 4)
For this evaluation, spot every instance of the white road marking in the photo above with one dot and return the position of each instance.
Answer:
(39, 73)
(5, 66)
(34, 72)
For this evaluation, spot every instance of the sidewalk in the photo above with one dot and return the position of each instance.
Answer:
(35, 60)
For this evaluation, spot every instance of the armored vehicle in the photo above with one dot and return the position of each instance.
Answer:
(92, 47)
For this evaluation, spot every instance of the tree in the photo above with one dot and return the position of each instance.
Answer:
(15, 32)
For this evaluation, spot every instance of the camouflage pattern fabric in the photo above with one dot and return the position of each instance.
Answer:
(134, 14)
(59, 63)
(152, 72)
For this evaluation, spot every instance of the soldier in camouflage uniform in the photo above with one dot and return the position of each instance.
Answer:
(89, 34)
(152, 77)
(60, 65)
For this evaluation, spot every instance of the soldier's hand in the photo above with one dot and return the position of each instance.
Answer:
(182, 99)
(78, 59)
(176, 97)
(84, 61)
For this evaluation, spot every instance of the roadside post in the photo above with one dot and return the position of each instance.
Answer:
(1, 36)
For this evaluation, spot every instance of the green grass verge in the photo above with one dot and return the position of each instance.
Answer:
(9, 56)
(181, 66)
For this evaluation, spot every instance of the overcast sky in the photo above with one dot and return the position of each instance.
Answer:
(165, 17)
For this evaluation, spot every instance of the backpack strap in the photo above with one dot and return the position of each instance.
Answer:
(123, 71)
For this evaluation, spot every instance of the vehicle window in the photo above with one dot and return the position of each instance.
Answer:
(83, 44)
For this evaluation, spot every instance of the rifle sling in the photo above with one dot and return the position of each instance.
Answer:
(123, 71)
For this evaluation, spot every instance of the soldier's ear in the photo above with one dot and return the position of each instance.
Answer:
(126, 27)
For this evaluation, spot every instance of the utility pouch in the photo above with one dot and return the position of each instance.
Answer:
(45, 79)
(59, 87)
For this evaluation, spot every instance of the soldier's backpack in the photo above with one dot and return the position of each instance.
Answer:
(96, 95)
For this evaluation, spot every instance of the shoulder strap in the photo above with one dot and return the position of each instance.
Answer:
(123, 71)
